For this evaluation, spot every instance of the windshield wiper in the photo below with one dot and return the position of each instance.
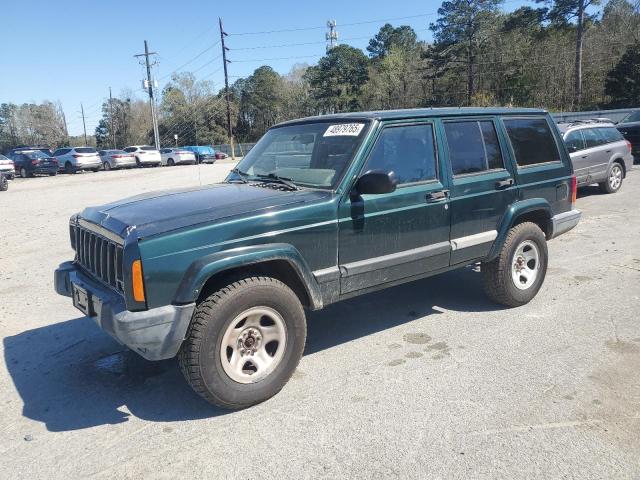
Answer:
(275, 178)
(243, 175)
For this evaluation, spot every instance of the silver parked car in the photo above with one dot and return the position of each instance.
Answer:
(177, 156)
(74, 159)
(112, 159)
(599, 153)
(145, 155)
(7, 168)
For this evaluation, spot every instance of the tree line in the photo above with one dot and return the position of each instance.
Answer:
(562, 55)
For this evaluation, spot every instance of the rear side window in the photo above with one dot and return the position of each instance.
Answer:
(592, 138)
(574, 141)
(409, 151)
(130, 149)
(532, 141)
(610, 134)
(473, 146)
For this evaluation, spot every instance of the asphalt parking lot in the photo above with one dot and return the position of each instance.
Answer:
(426, 380)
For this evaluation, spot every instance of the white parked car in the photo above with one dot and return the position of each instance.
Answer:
(112, 159)
(7, 168)
(145, 155)
(177, 156)
(74, 159)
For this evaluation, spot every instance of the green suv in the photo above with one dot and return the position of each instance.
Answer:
(322, 209)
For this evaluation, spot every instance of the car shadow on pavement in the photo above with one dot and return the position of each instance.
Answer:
(71, 375)
(377, 311)
(590, 190)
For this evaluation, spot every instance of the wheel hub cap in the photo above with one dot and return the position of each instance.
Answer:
(525, 265)
(253, 344)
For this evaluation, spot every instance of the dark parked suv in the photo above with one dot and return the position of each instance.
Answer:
(33, 162)
(629, 126)
(321, 209)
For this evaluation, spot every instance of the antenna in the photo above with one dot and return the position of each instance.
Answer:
(332, 35)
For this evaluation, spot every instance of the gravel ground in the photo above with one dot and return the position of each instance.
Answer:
(419, 381)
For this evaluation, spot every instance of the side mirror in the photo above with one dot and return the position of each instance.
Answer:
(376, 182)
(572, 148)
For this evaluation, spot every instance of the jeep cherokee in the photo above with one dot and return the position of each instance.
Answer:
(321, 209)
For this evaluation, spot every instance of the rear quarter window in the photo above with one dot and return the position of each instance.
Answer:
(611, 134)
(532, 141)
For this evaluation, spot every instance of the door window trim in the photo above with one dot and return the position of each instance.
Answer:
(503, 150)
(414, 122)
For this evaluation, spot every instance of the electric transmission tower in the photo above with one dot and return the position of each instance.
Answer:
(332, 35)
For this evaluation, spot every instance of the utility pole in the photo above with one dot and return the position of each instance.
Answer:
(332, 35)
(149, 85)
(113, 132)
(226, 87)
(84, 125)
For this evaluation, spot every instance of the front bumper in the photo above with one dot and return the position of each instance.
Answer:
(563, 222)
(155, 334)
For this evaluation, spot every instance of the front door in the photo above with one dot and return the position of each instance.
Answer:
(387, 237)
(482, 186)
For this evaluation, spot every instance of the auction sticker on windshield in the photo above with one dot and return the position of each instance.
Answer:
(344, 129)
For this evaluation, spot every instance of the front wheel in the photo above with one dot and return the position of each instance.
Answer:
(244, 342)
(514, 277)
(614, 179)
(4, 184)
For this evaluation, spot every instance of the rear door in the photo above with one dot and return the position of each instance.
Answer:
(387, 237)
(482, 185)
(597, 156)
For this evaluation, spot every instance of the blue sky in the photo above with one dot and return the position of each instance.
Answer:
(73, 51)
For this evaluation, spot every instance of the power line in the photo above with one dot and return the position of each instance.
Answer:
(210, 47)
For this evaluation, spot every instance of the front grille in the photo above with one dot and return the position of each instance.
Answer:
(100, 257)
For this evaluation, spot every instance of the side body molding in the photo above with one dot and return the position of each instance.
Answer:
(513, 212)
(204, 268)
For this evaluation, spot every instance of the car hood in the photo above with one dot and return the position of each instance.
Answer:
(158, 212)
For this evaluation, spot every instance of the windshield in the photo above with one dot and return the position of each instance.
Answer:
(311, 154)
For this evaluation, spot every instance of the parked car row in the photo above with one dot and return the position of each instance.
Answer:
(28, 161)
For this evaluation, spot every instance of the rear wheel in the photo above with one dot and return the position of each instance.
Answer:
(68, 168)
(244, 342)
(4, 184)
(614, 179)
(170, 162)
(514, 277)
(24, 173)
(106, 166)
(138, 163)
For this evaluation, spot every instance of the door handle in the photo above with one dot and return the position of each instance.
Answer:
(584, 156)
(504, 183)
(608, 151)
(437, 196)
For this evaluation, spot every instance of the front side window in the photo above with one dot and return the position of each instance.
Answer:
(310, 154)
(532, 141)
(574, 141)
(473, 146)
(409, 151)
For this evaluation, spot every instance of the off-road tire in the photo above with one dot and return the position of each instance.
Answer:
(605, 187)
(496, 275)
(199, 357)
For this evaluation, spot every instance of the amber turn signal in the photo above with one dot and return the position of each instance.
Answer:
(138, 283)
